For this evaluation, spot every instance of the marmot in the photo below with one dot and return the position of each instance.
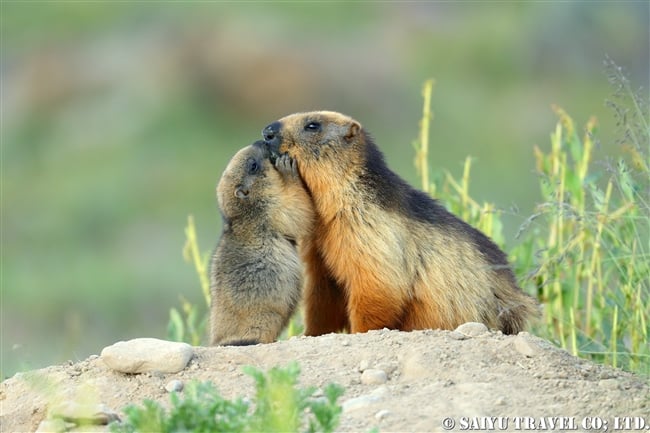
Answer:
(384, 254)
(256, 275)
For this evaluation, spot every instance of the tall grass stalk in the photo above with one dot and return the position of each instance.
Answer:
(190, 325)
(192, 254)
(585, 251)
(422, 145)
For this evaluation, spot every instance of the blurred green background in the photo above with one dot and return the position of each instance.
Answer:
(118, 118)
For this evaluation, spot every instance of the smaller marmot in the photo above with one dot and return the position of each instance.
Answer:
(255, 272)
(384, 254)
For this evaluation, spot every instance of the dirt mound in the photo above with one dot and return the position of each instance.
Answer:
(395, 381)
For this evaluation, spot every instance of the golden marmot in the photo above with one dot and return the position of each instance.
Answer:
(256, 275)
(384, 254)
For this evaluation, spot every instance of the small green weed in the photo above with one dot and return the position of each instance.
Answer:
(279, 406)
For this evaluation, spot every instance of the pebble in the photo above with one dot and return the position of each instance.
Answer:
(472, 329)
(364, 365)
(389, 367)
(455, 335)
(358, 402)
(525, 346)
(142, 355)
(373, 376)
(609, 384)
(415, 367)
(382, 414)
(365, 399)
(174, 385)
(52, 426)
(606, 375)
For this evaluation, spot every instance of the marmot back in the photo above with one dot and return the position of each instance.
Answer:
(383, 253)
(255, 272)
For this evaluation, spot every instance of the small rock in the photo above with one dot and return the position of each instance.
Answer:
(358, 402)
(147, 354)
(52, 426)
(156, 374)
(345, 342)
(609, 384)
(604, 374)
(381, 391)
(382, 414)
(373, 376)
(415, 367)
(455, 335)
(174, 385)
(447, 383)
(389, 367)
(472, 329)
(364, 365)
(364, 400)
(500, 401)
(525, 346)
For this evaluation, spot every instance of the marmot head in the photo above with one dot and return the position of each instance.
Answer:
(243, 184)
(319, 139)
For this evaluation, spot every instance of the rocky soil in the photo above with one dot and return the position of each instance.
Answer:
(394, 381)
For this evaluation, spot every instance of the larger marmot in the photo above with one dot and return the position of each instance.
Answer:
(384, 254)
(256, 274)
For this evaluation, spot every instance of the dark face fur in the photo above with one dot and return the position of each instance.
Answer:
(240, 184)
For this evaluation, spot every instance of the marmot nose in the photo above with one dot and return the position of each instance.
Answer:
(271, 136)
(269, 132)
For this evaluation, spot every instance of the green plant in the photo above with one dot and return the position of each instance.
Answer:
(454, 193)
(585, 252)
(591, 238)
(592, 268)
(278, 406)
(191, 326)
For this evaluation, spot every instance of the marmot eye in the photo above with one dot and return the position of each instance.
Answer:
(253, 166)
(312, 126)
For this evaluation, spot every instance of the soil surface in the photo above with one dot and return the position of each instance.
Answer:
(434, 381)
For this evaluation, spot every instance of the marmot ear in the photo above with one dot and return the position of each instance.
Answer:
(353, 131)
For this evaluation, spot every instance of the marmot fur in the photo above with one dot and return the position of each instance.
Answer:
(255, 273)
(384, 254)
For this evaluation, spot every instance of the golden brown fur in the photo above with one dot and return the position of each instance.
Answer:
(256, 275)
(384, 254)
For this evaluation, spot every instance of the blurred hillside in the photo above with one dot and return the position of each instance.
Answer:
(117, 120)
